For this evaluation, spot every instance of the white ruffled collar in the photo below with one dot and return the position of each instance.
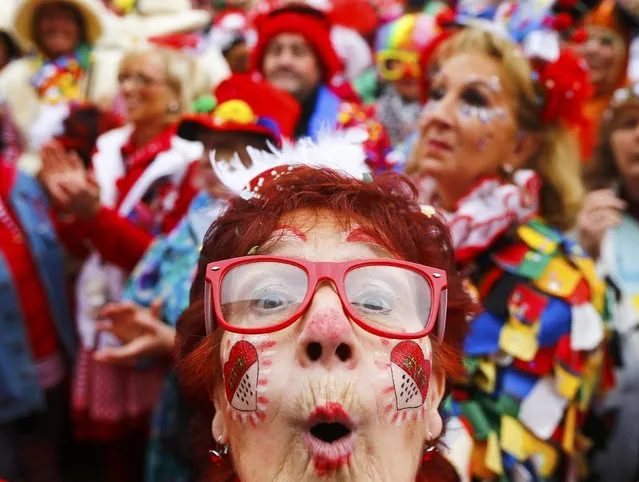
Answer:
(489, 209)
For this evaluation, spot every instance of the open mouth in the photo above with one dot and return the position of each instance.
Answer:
(329, 438)
(329, 432)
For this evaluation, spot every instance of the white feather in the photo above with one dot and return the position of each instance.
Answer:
(342, 151)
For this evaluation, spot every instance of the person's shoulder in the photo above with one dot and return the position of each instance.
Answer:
(16, 76)
(17, 69)
(119, 134)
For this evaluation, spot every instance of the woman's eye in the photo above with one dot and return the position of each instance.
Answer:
(270, 302)
(629, 123)
(474, 98)
(373, 303)
(437, 94)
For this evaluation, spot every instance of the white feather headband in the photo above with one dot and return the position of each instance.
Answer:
(342, 151)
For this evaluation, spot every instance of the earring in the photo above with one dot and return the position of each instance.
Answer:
(506, 171)
(218, 455)
(174, 107)
(429, 452)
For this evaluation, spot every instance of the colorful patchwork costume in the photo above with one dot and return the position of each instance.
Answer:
(534, 357)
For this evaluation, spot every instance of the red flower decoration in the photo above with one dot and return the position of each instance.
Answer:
(562, 22)
(568, 88)
(579, 36)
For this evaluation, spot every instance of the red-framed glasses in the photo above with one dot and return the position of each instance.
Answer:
(263, 294)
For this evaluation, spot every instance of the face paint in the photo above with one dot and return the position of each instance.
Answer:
(484, 114)
(495, 84)
(246, 377)
(408, 376)
(287, 230)
(411, 375)
(483, 143)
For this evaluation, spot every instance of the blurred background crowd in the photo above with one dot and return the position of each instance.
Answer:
(110, 111)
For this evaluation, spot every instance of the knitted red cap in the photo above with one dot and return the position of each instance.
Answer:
(308, 22)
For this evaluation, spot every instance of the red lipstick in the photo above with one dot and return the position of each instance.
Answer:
(329, 438)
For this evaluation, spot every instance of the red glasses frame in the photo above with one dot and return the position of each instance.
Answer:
(317, 272)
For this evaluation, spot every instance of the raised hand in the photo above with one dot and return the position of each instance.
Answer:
(71, 187)
(140, 329)
(601, 211)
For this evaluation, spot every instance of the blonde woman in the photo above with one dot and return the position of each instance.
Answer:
(142, 177)
(502, 167)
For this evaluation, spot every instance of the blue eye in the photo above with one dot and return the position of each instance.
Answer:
(373, 303)
(270, 303)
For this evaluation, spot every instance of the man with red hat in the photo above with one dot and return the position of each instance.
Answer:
(294, 52)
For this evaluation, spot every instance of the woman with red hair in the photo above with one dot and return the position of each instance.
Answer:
(326, 317)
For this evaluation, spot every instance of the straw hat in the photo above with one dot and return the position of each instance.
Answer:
(7, 9)
(91, 11)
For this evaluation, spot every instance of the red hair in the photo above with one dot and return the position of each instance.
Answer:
(386, 208)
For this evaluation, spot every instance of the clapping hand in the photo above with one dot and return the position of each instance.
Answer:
(72, 189)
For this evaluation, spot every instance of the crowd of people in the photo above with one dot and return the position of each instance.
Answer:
(191, 193)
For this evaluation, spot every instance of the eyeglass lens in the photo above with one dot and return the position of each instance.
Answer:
(387, 298)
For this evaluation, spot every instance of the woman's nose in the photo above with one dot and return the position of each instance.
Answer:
(327, 338)
(438, 112)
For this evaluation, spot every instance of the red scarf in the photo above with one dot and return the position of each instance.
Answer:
(137, 160)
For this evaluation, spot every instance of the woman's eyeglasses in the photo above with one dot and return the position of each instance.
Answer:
(264, 294)
(396, 64)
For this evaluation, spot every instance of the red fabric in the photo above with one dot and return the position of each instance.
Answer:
(359, 15)
(117, 239)
(345, 91)
(138, 159)
(32, 297)
(310, 24)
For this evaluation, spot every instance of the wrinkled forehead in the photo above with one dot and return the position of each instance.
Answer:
(289, 40)
(323, 236)
(147, 62)
(466, 67)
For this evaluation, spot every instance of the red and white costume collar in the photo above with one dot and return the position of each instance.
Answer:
(166, 155)
(487, 211)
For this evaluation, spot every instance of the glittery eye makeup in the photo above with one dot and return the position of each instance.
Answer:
(484, 114)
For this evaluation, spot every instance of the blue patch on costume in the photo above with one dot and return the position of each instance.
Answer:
(483, 335)
(554, 322)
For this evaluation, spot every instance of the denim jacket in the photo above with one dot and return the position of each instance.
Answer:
(20, 392)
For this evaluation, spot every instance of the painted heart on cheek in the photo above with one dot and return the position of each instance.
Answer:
(411, 375)
(241, 373)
